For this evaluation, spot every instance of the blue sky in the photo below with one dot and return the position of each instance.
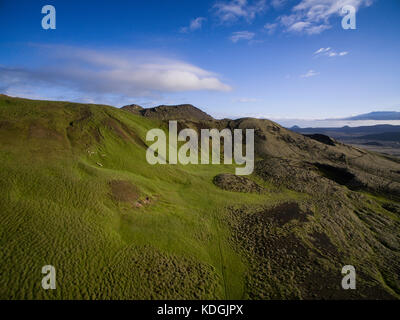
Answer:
(272, 58)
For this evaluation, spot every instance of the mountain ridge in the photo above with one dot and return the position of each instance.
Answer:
(376, 115)
(170, 112)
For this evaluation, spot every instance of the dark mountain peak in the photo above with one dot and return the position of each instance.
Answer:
(173, 112)
(134, 108)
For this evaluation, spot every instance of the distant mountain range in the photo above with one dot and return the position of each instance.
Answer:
(380, 132)
(380, 138)
(377, 115)
(347, 131)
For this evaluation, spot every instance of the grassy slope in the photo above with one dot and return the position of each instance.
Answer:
(56, 209)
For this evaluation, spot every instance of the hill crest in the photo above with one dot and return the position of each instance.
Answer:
(170, 112)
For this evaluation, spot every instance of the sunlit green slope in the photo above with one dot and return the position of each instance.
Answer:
(74, 183)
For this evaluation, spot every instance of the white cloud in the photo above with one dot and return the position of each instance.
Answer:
(194, 25)
(306, 17)
(313, 16)
(278, 4)
(242, 35)
(234, 10)
(271, 27)
(123, 73)
(299, 26)
(310, 73)
(246, 100)
(317, 29)
(322, 50)
(329, 52)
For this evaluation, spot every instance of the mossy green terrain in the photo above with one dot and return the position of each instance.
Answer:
(77, 193)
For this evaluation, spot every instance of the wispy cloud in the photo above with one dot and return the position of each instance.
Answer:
(118, 73)
(314, 16)
(241, 35)
(299, 26)
(309, 74)
(194, 25)
(330, 52)
(270, 27)
(278, 4)
(322, 50)
(306, 17)
(230, 11)
(246, 100)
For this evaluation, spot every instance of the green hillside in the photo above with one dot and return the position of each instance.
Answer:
(77, 193)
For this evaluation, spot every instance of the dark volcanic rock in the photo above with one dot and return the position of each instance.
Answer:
(179, 112)
(134, 108)
(232, 182)
(321, 138)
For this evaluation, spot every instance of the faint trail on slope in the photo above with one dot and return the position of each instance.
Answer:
(221, 258)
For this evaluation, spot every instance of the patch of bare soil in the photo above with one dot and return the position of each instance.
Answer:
(236, 183)
(124, 191)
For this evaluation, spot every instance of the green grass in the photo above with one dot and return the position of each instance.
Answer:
(192, 241)
(56, 209)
